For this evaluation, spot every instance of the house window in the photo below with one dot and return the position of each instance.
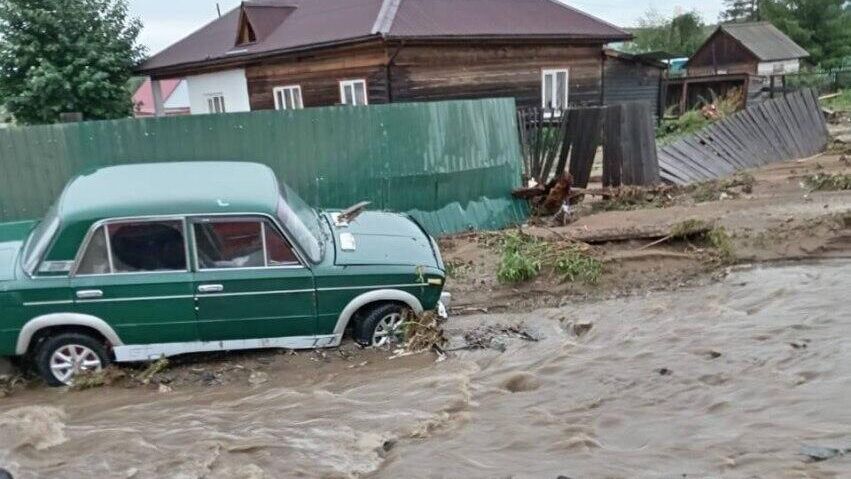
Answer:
(353, 92)
(216, 103)
(554, 88)
(288, 98)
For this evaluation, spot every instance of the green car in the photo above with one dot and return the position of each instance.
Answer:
(138, 262)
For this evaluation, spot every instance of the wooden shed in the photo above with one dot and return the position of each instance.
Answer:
(752, 48)
(632, 78)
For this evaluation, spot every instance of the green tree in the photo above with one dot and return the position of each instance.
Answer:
(681, 35)
(822, 27)
(741, 11)
(67, 56)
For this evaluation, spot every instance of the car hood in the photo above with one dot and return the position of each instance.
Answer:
(383, 238)
(12, 237)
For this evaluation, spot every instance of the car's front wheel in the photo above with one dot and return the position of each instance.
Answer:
(382, 326)
(59, 359)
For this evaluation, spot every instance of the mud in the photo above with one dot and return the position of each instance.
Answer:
(739, 378)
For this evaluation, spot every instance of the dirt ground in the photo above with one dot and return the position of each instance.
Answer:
(777, 217)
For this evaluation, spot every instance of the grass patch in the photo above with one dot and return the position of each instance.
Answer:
(716, 237)
(712, 110)
(523, 258)
(691, 122)
(839, 103)
(574, 265)
(828, 182)
(721, 240)
(688, 228)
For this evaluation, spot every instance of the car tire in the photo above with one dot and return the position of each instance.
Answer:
(379, 325)
(58, 355)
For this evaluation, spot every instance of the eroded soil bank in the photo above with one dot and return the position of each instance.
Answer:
(777, 216)
(740, 378)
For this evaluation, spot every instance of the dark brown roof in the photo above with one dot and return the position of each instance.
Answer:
(765, 41)
(290, 25)
(471, 18)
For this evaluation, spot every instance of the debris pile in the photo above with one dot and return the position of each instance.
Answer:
(495, 336)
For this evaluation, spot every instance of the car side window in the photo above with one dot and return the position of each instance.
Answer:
(237, 243)
(147, 246)
(135, 247)
(280, 253)
(96, 258)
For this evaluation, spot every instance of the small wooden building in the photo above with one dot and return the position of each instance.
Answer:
(632, 78)
(748, 58)
(289, 54)
(751, 48)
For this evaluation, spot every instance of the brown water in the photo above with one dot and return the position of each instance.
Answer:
(728, 380)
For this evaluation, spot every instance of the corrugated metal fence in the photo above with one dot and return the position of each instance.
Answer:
(450, 164)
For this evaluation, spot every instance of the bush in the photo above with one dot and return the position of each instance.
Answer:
(523, 258)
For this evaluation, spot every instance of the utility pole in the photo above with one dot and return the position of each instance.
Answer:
(219, 9)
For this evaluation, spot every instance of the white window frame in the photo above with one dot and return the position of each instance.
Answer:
(295, 92)
(212, 106)
(554, 72)
(353, 84)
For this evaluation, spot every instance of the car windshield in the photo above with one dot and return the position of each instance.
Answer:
(302, 222)
(39, 240)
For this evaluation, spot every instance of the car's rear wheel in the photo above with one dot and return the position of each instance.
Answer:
(59, 359)
(382, 326)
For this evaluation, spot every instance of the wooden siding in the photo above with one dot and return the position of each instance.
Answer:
(319, 76)
(450, 72)
(431, 72)
(628, 80)
(722, 52)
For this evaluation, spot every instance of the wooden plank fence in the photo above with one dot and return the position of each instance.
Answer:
(782, 129)
(555, 142)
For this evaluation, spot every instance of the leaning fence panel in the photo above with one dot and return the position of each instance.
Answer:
(782, 129)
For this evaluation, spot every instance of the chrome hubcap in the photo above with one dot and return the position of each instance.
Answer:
(72, 359)
(388, 329)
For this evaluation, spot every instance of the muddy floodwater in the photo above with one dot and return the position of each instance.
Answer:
(726, 380)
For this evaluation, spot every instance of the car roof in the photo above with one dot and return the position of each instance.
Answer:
(177, 188)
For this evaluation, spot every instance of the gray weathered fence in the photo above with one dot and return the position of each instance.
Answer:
(782, 129)
(558, 141)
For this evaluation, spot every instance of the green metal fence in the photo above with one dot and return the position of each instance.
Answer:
(450, 164)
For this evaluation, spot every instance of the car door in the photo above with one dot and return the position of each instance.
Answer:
(249, 283)
(134, 274)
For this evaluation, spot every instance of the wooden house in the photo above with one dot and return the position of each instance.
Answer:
(289, 54)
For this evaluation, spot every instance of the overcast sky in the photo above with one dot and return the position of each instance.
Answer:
(167, 21)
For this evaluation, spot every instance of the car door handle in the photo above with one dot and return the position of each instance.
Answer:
(89, 294)
(211, 288)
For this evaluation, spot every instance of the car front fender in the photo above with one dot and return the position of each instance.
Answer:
(377, 296)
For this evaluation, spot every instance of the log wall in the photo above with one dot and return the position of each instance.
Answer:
(429, 72)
